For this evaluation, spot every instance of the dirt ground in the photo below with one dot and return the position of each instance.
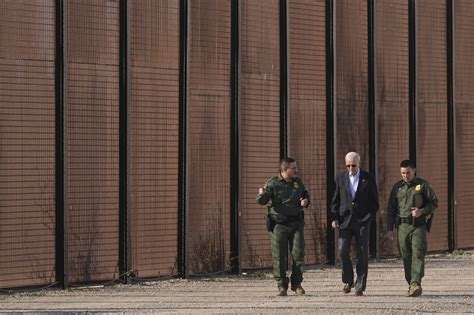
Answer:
(448, 287)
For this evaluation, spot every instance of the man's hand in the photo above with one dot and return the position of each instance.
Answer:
(261, 190)
(415, 212)
(335, 224)
(390, 235)
(303, 202)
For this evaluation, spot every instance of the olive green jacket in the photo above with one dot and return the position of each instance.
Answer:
(285, 196)
(417, 193)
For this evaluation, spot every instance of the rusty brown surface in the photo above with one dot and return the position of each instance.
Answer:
(259, 103)
(27, 117)
(351, 82)
(464, 122)
(392, 102)
(27, 144)
(431, 105)
(208, 172)
(92, 139)
(307, 114)
(154, 144)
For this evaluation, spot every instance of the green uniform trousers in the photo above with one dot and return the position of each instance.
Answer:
(284, 235)
(412, 246)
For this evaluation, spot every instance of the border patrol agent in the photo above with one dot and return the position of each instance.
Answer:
(285, 221)
(410, 210)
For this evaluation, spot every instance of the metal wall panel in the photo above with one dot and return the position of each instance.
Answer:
(259, 103)
(154, 129)
(208, 172)
(92, 124)
(351, 81)
(27, 135)
(431, 105)
(464, 121)
(392, 101)
(307, 114)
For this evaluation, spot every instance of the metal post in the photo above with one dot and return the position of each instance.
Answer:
(234, 158)
(123, 148)
(451, 129)
(412, 77)
(330, 250)
(183, 100)
(61, 211)
(372, 115)
(283, 77)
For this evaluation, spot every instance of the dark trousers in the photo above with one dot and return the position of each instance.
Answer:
(361, 234)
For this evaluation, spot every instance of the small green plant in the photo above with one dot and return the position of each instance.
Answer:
(457, 252)
(255, 275)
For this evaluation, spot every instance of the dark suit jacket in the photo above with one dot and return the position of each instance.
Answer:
(363, 207)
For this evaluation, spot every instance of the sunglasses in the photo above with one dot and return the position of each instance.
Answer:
(349, 165)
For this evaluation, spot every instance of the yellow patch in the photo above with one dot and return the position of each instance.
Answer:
(295, 185)
(418, 187)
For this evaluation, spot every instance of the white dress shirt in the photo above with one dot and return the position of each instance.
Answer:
(354, 182)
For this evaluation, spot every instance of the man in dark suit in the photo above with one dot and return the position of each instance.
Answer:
(354, 204)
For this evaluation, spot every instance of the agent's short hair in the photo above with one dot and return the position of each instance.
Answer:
(285, 163)
(407, 163)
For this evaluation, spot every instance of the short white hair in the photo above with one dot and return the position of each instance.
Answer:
(353, 156)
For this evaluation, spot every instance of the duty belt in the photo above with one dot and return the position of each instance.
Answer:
(416, 222)
(294, 218)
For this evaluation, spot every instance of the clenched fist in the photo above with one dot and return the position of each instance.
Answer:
(303, 202)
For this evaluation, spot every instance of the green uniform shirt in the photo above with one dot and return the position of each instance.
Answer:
(404, 196)
(284, 196)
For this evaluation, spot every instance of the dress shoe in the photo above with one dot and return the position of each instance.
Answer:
(298, 289)
(347, 288)
(359, 293)
(282, 291)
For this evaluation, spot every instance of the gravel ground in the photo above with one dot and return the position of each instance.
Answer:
(448, 287)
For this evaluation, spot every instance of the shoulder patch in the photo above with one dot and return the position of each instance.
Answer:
(296, 185)
(270, 181)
